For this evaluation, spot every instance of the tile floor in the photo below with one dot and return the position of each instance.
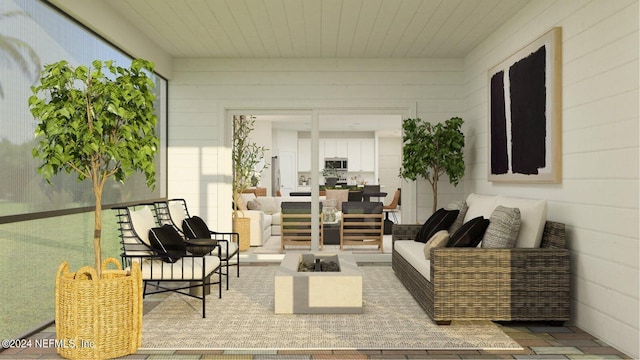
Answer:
(539, 342)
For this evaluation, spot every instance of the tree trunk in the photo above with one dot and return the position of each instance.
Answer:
(434, 188)
(97, 220)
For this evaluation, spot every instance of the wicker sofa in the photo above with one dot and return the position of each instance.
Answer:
(515, 284)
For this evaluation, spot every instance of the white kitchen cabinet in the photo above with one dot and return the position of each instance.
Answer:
(342, 148)
(354, 155)
(359, 152)
(367, 155)
(329, 150)
(361, 155)
(333, 148)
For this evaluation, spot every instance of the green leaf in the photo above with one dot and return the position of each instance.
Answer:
(429, 150)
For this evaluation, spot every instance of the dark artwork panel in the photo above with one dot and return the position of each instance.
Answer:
(499, 156)
(528, 119)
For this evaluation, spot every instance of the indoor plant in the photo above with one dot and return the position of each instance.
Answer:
(98, 125)
(246, 155)
(430, 151)
(331, 176)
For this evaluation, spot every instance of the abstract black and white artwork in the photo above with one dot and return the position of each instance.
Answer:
(525, 110)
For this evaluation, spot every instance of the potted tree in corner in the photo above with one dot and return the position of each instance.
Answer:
(246, 155)
(99, 123)
(430, 151)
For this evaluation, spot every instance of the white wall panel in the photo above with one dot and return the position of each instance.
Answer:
(200, 88)
(599, 194)
(598, 198)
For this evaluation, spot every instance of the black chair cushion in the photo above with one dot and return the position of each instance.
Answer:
(166, 241)
(354, 207)
(440, 220)
(470, 233)
(195, 228)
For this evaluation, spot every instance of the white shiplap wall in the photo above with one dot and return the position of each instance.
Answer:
(201, 89)
(598, 196)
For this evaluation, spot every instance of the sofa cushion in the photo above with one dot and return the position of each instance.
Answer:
(276, 219)
(503, 229)
(186, 268)
(480, 205)
(438, 240)
(460, 206)
(413, 252)
(440, 220)
(267, 204)
(244, 199)
(268, 220)
(167, 242)
(142, 221)
(253, 205)
(533, 215)
(177, 213)
(470, 233)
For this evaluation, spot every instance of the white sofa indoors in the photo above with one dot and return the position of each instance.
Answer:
(264, 212)
(530, 281)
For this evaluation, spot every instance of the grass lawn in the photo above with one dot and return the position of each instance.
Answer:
(32, 252)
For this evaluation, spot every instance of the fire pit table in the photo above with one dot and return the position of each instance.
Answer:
(336, 290)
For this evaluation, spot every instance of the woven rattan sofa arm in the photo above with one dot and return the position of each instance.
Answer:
(404, 231)
(501, 284)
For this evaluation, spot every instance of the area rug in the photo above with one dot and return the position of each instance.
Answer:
(244, 319)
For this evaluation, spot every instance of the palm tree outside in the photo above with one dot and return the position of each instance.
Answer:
(14, 51)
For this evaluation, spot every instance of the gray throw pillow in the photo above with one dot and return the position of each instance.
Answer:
(460, 206)
(503, 229)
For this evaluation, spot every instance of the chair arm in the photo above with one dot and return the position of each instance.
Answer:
(224, 238)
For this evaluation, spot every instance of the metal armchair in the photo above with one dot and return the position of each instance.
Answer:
(174, 212)
(163, 257)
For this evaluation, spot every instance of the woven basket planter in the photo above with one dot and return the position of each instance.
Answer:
(242, 225)
(98, 318)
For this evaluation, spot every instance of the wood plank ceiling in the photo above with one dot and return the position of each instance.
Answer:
(318, 28)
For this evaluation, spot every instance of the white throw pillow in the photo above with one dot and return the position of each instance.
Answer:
(438, 240)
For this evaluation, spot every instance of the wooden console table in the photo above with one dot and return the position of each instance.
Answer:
(259, 191)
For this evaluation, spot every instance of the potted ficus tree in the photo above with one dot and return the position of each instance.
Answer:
(99, 123)
(246, 155)
(430, 151)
